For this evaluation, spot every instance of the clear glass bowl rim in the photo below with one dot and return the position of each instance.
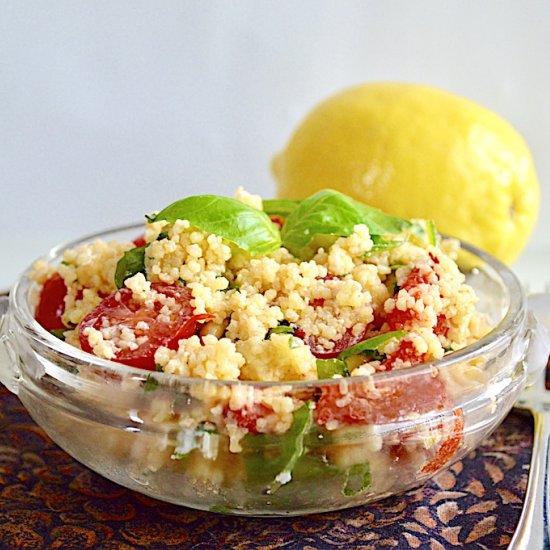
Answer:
(20, 308)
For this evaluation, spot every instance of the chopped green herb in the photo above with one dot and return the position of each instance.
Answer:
(358, 479)
(206, 427)
(150, 217)
(270, 459)
(59, 332)
(220, 509)
(151, 383)
(248, 228)
(328, 368)
(294, 342)
(162, 235)
(131, 263)
(182, 281)
(380, 243)
(158, 368)
(313, 467)
(65, 262)
(371, 344)
(431, 231)
(281, 329)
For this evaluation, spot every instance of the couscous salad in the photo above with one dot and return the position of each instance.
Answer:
(247, 289)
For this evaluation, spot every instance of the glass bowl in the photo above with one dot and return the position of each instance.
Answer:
(172, 438)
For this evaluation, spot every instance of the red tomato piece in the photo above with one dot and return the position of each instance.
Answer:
(386, 402)
(247, 417)
(405, 352)
(415, 278)
(399, 320)
(442, 327)
(434, 258)
(51, 305)
(318, 302)
(279, 221)
(120, 310)
(139, 241)
(449, 447)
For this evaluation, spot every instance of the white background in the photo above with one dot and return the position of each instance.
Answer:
(110, 109)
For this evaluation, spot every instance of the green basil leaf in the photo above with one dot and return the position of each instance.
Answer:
(151, 383)
(131, 263)
(327, 368)
(371, 344)
(331, 213)
(358, 479)
(313, 467)
(248, 228)
(280, 207)
(270, 459)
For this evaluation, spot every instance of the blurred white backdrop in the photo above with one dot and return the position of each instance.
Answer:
(111, 109)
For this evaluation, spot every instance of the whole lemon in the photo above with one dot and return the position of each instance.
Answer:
(417, 151)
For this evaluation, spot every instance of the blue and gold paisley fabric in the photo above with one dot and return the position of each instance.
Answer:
(48, 500)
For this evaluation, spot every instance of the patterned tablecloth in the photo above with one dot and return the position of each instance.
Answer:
(48, 500)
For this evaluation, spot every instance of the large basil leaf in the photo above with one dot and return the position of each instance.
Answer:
(248, 228)
(331, 213)
(131, 263)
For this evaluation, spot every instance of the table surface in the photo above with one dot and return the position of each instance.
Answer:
(48, 500)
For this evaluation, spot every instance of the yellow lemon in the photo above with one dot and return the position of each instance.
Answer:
(416, 151)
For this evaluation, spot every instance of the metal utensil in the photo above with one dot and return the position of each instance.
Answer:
(533, 529)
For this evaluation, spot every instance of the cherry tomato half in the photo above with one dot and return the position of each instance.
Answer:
(51, 305)
(247, 417)
(121, 310)
(387, 402)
